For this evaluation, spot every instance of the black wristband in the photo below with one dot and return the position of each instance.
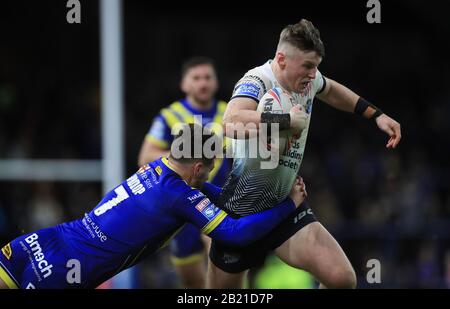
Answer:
(284, 120)
(362, 105)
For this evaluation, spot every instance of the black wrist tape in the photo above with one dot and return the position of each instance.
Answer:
(284, 120)
(362, 105)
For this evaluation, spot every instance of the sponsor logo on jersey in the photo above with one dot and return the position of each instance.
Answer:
(135, 185)
(248, 90)
(93, 228)
(203, 203)
(7, 252)
(39, 256)
(258, 80)
(158, 170)
(195, 196)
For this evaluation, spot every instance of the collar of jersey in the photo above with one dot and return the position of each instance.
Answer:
(165, 161)
(205, 113)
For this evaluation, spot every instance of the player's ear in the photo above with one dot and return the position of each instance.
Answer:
(197, 167)
(280, 58)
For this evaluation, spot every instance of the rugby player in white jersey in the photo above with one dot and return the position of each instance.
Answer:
(300, 240)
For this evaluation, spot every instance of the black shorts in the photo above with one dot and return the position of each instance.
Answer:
(237, 259)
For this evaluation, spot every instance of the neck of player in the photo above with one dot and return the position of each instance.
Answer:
(276, 72)
(183, 170)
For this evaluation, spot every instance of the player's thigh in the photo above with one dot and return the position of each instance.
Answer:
(216, 278)
(315, 250)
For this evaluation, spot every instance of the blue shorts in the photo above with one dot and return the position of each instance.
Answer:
(40, 260)
(187, 246)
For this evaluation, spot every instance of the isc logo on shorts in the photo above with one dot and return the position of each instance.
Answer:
(302, 214)
(6, 250)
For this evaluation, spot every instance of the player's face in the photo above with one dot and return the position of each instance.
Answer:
(201, 174)
(200, 82)
(300, 69)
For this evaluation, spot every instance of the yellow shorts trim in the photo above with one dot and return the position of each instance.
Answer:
(177, 261)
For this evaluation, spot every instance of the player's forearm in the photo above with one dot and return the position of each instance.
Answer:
(245, 230)
(241, 123)
(340, 97)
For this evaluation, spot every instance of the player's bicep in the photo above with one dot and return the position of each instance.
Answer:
(236, 107)
(323, 93)
(239, 114)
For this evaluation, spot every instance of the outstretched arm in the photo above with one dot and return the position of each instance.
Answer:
(344, 99)
(240, 231)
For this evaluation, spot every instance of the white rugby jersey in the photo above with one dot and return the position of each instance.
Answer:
(250, 189)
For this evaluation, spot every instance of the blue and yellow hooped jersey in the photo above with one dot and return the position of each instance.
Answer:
(181, 111)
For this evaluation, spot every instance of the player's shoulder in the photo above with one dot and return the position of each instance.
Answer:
(255, 83)
(170, 181)
(318, 83)
(183, 195)
(259, 75)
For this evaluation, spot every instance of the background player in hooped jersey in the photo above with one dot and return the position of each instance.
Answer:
(133, 220)
(300, 240)
(199, 83)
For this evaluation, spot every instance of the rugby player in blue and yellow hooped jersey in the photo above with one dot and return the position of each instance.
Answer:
(135, 219)
(199, 83)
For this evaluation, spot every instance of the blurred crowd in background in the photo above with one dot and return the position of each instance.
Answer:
(393, 206)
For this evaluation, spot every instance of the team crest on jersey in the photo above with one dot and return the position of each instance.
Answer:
(210, 211)
(7, 252)
(158, 170)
